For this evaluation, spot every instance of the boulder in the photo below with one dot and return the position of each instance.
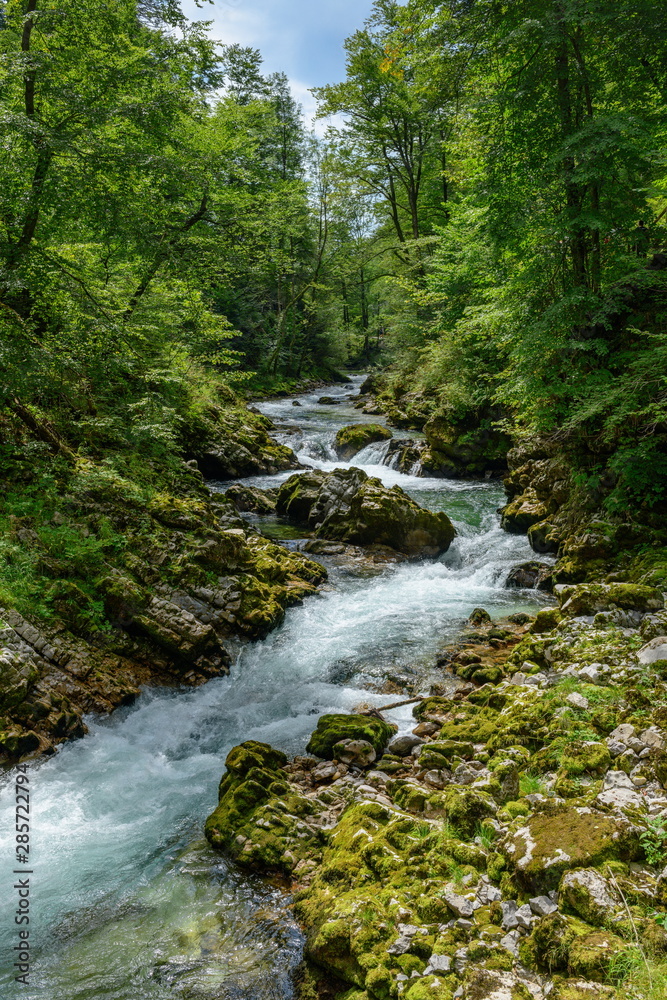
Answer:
(332, 729)
(351, 439)
(654, 650)
(543, 538)
(347, 505)
(577, 600)
(249, 498)
(551, 843)
(357, 752)
(588, 894)
(297, 495)
(233, 442)
(521, 513)
(530, 576)
(403, 746)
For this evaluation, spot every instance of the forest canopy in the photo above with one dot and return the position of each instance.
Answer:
(484, 214)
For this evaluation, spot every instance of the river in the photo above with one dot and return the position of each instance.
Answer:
(128, 900)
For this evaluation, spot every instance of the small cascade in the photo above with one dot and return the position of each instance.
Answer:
(373, 454)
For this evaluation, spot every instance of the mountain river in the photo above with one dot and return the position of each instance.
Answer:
(128, 901)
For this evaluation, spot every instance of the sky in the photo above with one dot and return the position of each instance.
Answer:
(302, 38)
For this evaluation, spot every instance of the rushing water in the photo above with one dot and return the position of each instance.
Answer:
(128, 901)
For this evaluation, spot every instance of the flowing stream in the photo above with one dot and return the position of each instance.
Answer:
(128, 901)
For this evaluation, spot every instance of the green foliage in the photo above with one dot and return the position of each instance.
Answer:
(654, 841)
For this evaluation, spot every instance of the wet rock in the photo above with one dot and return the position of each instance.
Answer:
(329, 401)
(349, 440)
(249, 498)
(527, 509)
(543, 538)
(530, 576)
(479, 617)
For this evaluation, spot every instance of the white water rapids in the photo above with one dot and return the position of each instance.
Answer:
(128, 901)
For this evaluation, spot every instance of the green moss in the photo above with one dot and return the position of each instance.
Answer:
(583, 756)
(431, 988)
(553, 842)
(333, 728)
(591, 955)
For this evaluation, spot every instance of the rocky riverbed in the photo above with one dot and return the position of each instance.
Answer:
(343, 592)
(512, 845)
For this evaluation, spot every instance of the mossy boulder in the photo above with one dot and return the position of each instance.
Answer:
(543, 537)
(297, 495)
(585, 756)
(591, 598)
(552, 842)
(260, 818)
(523, 511)
(591, 955)
(331, 729)
(347, 505)
(545, 621)
(249, 498)
(586, 892)
(351, 439)
(466, 808)
(229, 442)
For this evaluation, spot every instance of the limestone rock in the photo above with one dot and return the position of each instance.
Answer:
(588, 894)
(459, 905)
(358, 752)
(654, 650)
(403, 746)
(530, 576)
(551, 843)
(591, 598)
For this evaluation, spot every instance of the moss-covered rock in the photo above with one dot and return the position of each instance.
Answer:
(351, 439)
(589, 894)
(331, 729)
(555, 841)
(527, 509)
(249, 498)
(589, 599)
(231, 442)
(260, 820)
(591, 955)
(346, 505)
